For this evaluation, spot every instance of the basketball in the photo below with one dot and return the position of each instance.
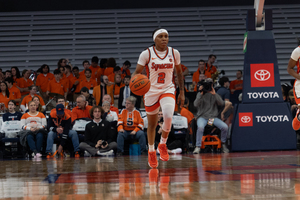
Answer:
(139, 84)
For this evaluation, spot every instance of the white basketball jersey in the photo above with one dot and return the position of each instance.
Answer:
(160, 69)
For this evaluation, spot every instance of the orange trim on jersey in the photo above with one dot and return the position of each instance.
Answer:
(174, 56)
(158, 55)
(166, 95)
(153, 107)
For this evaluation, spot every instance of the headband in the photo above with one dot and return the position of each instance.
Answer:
(159, 31)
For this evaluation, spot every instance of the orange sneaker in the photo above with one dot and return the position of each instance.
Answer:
(153, 175)
(163, 151)
(77, 155)
(152, 159)
(49, 155)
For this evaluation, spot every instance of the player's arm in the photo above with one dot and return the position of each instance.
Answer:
(139, 68)
(290, 68)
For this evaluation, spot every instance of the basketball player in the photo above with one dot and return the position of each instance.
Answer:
(160, 61)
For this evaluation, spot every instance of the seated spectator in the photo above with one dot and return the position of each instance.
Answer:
(39, 107)
(100, 72)
(174, 146)
(209, 65)
(185, 112)
(97, 137)
(24, 83)
(237, 84)
(111, 63)
(34, 124)
(4, 96)
(60, 127)
(200, 71)
(57, 86)
(15, 72)
(94, 67)
(224, 93)
(107, 97)
(209, 104)
(75, 82)
(116, 88)
(112, 118)
(89, 97)
(14, 92)
(43, 80)
(111, 77)
(130, 126)
(125, 69)
(7, 74)
(61, 100)
(82, 110)
(11, 114)
(125, 92)
(28, 98)
(86, 65)
(102, 89)
(88, 81)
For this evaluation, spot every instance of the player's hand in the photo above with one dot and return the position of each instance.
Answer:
(181, 99)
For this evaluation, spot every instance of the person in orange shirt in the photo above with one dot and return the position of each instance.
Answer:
(94, 67)
(43, 80)
(24, 82)
(107, 98)
(82, 110)
(209, 67)
(100, 72)
(75, 81)
(86, 65)
(237, 84)
(200, 70)
(14, 92)
(29, 97)
(116, 86)
(4, 96)
(100, 90)
(125, 69)
(111, 63)
(111, 77)
(185, 112)
(56, 85)
(15, 72)
(88, 81)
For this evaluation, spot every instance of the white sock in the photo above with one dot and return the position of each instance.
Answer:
(163, 140)
(151, 147)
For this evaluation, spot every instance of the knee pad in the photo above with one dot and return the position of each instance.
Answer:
(167, 105)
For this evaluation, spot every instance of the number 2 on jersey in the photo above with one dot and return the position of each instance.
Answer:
(161, 77)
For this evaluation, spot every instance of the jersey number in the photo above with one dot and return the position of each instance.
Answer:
(161, 77)
(129, 122)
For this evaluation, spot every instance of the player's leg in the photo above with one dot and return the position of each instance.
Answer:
(167, 102)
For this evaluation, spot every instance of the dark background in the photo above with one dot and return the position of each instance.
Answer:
(50, 5)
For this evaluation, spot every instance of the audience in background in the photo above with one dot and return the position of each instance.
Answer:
(4, 96)
(125, 69)
(82, 110)
(209, 67)
(14, 92)
(11, 114)
(43, 80)
(200, 74)
(24, 82)
(89, 97)
(237, 84)
(15, 72)
(28, 98)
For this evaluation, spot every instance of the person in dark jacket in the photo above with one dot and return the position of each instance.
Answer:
(97, 137)
(60, 126)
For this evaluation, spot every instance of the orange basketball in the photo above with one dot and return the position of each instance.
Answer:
(139, 84)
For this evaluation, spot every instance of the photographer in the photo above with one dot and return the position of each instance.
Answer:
(97, 137)
(209, 104)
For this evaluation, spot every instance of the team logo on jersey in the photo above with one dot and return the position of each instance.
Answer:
(262, 75)
(246, 119)
(170, 60)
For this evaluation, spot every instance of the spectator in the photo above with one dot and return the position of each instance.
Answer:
(57, 86)
(89, 97)
(4, 96)
(111, 77)
(82, 109)
(97, 137)
(63, 62)
(12, 114)
(111, 63)
(125, 92)
(112, 118)
(28, 98)
(94, 67)
(15, 72)
(224, 93)
(61, 100)
(185, 112)
(102, 89)
(130, 126)
(209, 67)
(75, 82)
(88, 82)
(208, 104)
(7, 74)
(60, 126)
(34, 124)
(107, 97)
(237, 84)
(14, 92)
(43, 80)
(24, 83)
(198, 75)
(285, 88)
(39, 107)
(86, 65)
(125, 69)
(69, 75)
(116, 88)
(100, 72)
(174, 146)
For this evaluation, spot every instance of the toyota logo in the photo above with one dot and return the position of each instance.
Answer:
(246, 119)
(262, 75)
